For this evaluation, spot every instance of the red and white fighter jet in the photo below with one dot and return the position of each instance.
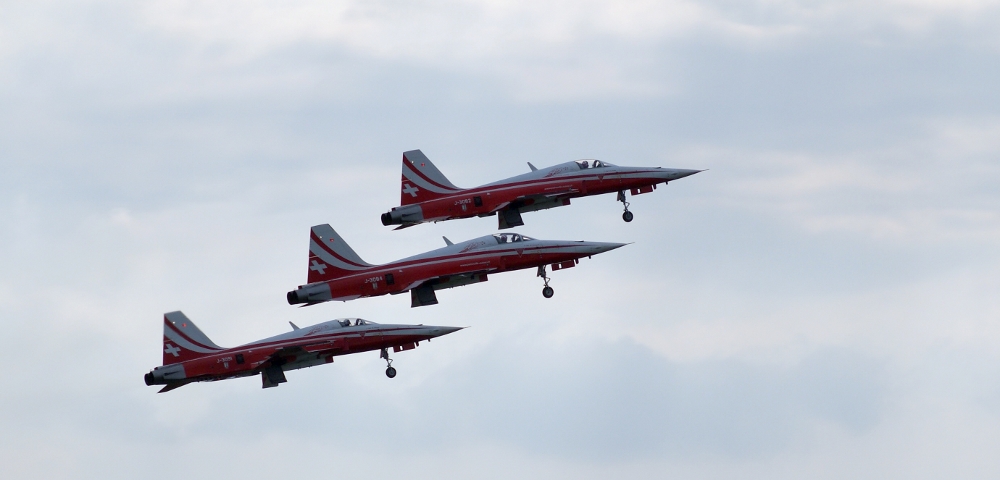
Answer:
(427, 196)
(189, 356)
(337, 273)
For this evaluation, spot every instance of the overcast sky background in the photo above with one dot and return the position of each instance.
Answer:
(822, 303)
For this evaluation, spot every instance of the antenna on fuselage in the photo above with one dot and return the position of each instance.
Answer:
(447, 241)
(533, 169)
(294, 326)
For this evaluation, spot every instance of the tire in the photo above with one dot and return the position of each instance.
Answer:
(627, 216)
(548, 292)
(390, 372)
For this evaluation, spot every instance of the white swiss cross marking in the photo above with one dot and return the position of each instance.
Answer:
(318, 267)
(407, 188)
(172, 350)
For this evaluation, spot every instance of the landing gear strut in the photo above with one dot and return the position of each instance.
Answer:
(547, 291)
(627, 216)
(389, 371)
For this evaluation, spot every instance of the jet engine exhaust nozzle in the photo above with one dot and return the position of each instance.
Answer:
(315, 293)
(404, 214)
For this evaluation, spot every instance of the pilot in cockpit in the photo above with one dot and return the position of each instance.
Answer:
(510, 238)
(585, 164)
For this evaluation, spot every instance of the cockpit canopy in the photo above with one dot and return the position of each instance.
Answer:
(585, 164)
(511, 237)
(357, 322)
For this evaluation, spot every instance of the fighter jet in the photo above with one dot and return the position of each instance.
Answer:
(337, 273)
(189, 356)
(427, 196)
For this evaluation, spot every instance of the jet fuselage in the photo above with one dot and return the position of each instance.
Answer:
(188, 358)
(423, 199)
(451, 266)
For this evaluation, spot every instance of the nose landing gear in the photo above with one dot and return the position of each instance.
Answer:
(547, 291)
(389, 371)
(627, 216)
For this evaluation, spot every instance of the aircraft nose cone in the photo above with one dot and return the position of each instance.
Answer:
(681, 173)
(440, 331)
(601, 247)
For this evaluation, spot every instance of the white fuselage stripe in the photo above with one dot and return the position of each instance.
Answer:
(183, 343)
(332, 261)
(421, 183)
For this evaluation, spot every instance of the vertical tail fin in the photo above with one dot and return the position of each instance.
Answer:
(330, 256)
(422, 181)
(183, 340)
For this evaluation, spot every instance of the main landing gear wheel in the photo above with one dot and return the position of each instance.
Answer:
(627, 216)
(389, 371)
(547, 291)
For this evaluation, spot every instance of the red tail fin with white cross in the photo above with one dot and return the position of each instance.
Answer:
(422, 181)
(183, 341)
(330, 256)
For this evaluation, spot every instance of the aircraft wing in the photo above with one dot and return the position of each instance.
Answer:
(454, 279)
(558, 192)
(297, 350)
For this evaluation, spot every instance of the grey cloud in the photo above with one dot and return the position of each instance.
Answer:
(620, 400)
(615, 401)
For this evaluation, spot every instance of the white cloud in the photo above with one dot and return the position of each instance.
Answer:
(534, 52)
(538, 51)
(905, 192)
(824, 292)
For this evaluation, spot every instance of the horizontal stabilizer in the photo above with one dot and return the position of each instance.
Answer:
(172, 385)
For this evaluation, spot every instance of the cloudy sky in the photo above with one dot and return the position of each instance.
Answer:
(822, 303)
